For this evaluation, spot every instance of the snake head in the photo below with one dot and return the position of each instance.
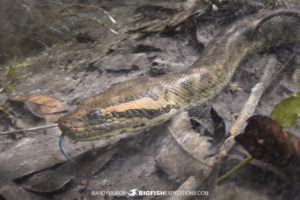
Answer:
(72, 125)
(89, 123)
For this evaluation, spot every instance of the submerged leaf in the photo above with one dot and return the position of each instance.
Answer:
(268, 142)
(287, 111)
(42, 106)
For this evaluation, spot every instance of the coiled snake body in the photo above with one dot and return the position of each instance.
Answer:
(145, 102)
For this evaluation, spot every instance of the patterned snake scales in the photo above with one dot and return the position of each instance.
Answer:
(145, 102)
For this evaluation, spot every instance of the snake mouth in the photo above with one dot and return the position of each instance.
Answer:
(62, 150)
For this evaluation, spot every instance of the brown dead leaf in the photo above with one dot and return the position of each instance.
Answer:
(42, 106)
(268, 142)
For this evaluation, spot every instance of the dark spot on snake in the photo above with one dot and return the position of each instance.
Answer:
(152, 112)
(209, 81)
(166, 109)
(204, 75)
(114, 114)
(129, 113)
(123, 131)
(140, 112)
(134, 112)
(166, 95)
(140, 125)
(121, 114)
(130, 99)
(187, 86)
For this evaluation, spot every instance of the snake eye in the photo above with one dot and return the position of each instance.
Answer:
(95, 114)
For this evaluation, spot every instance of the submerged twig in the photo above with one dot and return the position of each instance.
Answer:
(90, 19)
(29, 129)
(250, 105)
(296, 80)
(247, 111)
(75, 14)
(92, 7)
(289, 64)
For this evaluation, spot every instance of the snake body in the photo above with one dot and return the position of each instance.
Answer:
(145, 102)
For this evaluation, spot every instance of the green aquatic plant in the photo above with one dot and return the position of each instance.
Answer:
(9, 80)
(287, 111)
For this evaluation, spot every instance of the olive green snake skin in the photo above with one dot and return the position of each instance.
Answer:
(145, 102)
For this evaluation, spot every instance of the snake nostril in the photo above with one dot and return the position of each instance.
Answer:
(62, 123)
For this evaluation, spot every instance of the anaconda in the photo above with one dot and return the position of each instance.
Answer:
(145, 102)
